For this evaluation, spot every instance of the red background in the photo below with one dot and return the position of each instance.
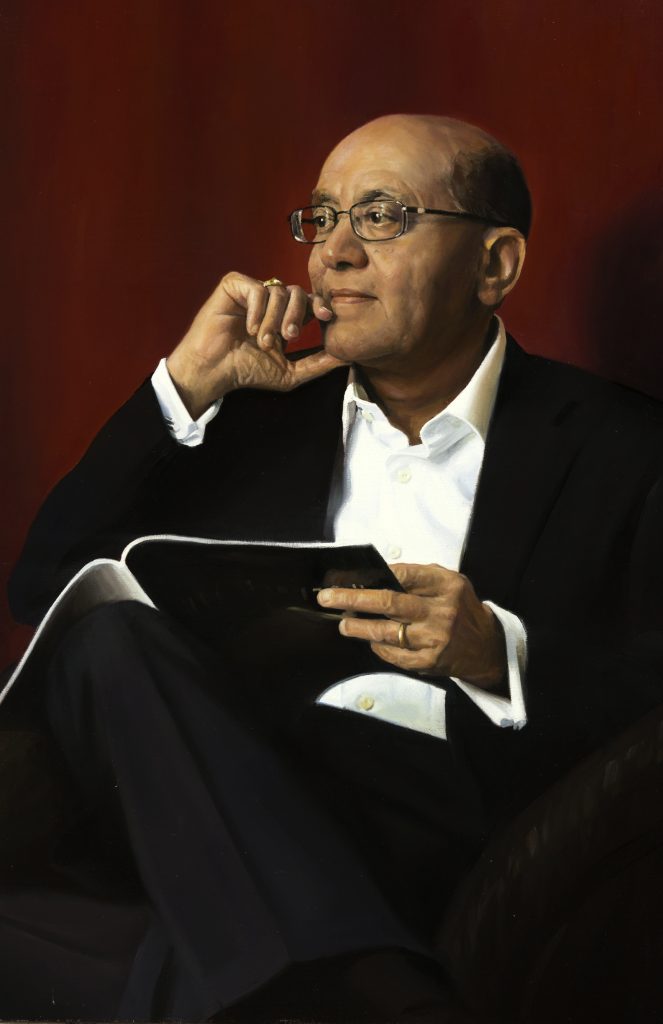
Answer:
(151, 146)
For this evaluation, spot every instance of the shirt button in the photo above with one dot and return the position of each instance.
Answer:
(366, 415)
(365, 702)
(404, 475)
(394, 552)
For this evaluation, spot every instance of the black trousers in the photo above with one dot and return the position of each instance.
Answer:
(249, 831)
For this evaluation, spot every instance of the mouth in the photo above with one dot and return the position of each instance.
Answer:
(348, 297)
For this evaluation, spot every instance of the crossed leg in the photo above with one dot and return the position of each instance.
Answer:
(245, 869)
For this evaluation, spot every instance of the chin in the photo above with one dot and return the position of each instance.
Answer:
(350, 346)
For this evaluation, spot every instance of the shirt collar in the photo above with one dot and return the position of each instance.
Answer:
(473, 406)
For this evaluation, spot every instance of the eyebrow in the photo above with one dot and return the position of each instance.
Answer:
(324, 198)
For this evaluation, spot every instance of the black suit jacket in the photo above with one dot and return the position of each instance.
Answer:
(567, 532)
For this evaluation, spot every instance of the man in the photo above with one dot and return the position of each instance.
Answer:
(307, 849)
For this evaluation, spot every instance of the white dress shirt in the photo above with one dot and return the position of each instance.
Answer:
(414, 503)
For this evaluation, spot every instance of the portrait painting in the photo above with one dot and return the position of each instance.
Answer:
(383, 278)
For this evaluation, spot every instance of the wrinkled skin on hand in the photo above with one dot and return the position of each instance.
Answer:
(449, 632)
(236, 341)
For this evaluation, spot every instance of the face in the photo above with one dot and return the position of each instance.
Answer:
(408, 301)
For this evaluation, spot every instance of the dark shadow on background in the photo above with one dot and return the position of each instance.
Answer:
(625, 297)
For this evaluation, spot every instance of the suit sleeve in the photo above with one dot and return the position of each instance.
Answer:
(606, 678)
(127, 483)
(586, 681)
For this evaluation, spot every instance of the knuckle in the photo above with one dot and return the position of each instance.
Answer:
(426, 661)
(441, 643)
(464, 584)
(277, 295)
(234, 277)
(384, 651)
(358, 628)
(402, 605)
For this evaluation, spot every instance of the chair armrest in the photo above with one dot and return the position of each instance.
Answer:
(542, 898)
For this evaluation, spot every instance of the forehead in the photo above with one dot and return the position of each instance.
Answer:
(399, 163)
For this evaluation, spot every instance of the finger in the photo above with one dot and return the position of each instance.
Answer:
(318, 308)
(412, 661)
(239, 295)
(375, 630)
(256, 298)
(423, 580)
(296, 312)
(402, 607)
(273, 317)
(386, 631)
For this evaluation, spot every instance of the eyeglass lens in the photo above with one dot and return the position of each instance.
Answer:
(373, 220)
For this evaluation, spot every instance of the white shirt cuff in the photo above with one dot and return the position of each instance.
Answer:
(391, 697)
(182, 427)
(505, 711)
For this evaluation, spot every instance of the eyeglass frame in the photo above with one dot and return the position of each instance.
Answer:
(459, 214)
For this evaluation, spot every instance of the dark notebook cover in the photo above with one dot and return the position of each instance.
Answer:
(252, 603)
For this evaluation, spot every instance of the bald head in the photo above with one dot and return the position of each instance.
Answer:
(452, 245)
(481, 175)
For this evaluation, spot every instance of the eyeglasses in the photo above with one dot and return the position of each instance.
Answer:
(373, 220)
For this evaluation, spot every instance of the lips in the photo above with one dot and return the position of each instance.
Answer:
(348, 296)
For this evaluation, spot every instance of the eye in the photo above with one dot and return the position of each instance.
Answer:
(321, 217)
(378, 219)
(381, 213)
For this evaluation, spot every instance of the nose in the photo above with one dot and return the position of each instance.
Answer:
(342, 248)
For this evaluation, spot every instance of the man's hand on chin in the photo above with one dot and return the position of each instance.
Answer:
(438, 627)
(237, 341)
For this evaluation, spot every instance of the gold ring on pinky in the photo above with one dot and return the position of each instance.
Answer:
(402, 636)
(273, 282)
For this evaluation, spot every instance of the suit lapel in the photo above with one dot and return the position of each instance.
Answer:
(313, 453)
(536, 431)
(287, 446)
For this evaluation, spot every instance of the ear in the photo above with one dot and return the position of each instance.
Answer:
(503, 256)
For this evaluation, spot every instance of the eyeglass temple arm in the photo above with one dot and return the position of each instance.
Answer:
(455, 213)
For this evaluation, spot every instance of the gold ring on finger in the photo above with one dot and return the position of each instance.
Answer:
(273, 282)
(402, 636)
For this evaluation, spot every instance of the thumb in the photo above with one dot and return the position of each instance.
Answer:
(424, 580)
(407, 573)
(315, 365)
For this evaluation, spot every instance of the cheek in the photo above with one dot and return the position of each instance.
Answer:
(401, 290)
(393, 270)
(313, 271)
(314, 267)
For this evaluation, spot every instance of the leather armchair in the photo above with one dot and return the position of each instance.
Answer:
(559, 922)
